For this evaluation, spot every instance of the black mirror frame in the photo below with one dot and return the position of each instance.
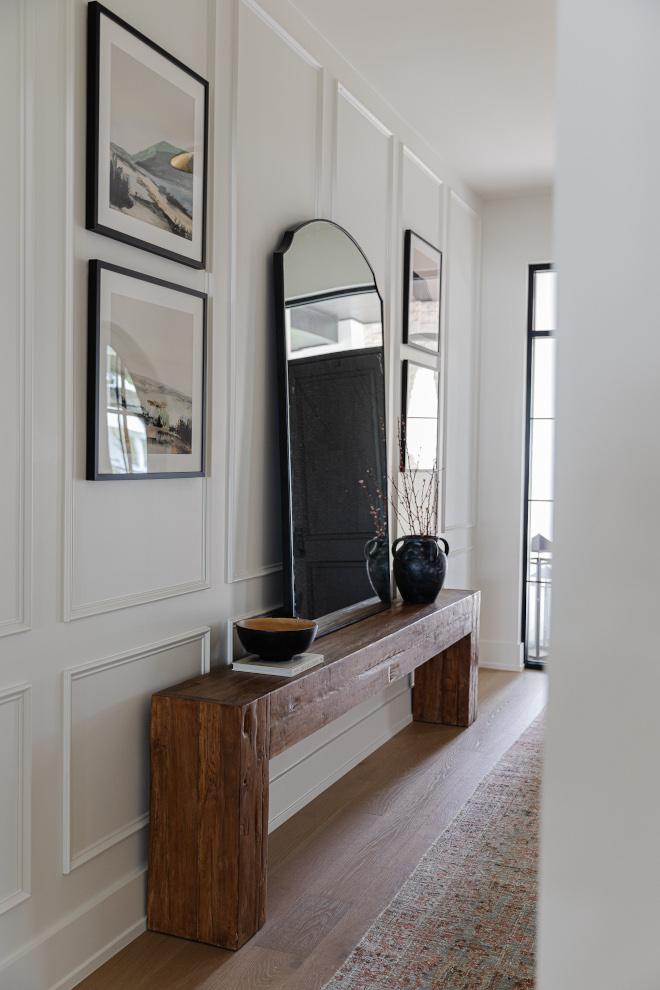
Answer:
(355, 612)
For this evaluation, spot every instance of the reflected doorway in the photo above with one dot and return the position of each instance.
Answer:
(539, 464)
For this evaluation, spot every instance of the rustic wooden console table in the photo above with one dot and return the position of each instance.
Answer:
(212, 737)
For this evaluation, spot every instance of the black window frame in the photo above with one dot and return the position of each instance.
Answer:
(531, 335)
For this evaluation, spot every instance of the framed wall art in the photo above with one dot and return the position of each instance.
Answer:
(421, 293)
(147, 136)
(146, 385)
(419, 416)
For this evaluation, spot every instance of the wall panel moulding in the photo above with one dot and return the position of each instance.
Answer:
(461, 400)
(363, 176)
(16, 291)
(270, 192)
(106, 710)
(183, 557)
(15, 789)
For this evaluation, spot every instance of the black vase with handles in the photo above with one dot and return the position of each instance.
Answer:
(377, 553)
(419, 567)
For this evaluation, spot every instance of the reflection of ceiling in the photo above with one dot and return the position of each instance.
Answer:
(336, 324)
(475, 78)
(420, 288)
(364, 306)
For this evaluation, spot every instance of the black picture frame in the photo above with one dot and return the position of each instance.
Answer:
(148, 202)
(415, 439)
(130, 317)
(422, 293)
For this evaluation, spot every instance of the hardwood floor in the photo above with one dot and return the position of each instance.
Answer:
(336, 864)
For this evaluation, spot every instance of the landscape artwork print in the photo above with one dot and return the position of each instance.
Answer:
(151, 125)
(147, 345)
(146, 155)
(149, 383)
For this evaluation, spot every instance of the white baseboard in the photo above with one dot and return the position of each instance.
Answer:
(496, 655)
(67, 953)
(307, 769)
(84, 970)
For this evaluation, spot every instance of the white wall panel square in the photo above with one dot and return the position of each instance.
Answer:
(136, 541)
(363, 177)
(278, 127)
(10, 782)
(422, 200)
(461, 328)
(106, 753)
(15, 772)
(15, 203)
(460, 570)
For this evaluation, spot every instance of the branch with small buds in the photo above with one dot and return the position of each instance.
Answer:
(415, 505)
(377, 511)
(414, 498)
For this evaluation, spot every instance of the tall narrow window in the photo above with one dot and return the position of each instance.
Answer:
(539, 469)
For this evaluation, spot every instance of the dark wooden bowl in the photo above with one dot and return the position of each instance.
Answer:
(276, 639)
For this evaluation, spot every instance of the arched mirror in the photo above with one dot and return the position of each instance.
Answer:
(332, 427)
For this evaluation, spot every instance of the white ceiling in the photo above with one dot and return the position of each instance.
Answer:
(475, 78)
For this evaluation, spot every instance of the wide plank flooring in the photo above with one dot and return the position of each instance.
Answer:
(336, 864)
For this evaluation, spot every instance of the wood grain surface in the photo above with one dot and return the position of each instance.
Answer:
(212, 738)
(359, 661)
(174, 817)
(452, 611)
(209, 820)
(356, 844)
(305, 925)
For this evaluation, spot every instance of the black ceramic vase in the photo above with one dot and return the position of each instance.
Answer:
(419, 567)
(377, 552)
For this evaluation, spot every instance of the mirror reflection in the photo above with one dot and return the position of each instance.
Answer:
(127, 435)
(332, 398)
(419, 416)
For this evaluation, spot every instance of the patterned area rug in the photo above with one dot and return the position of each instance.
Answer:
(465, 919)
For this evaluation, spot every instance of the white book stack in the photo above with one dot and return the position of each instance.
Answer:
(280, 668)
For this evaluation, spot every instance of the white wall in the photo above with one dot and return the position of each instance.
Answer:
(600, 856)
(516, 234)
(97, 610)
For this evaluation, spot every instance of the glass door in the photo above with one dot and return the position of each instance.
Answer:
(539, 467)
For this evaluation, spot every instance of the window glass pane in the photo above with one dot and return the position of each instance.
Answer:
(540, 520)
(539, 567)
(541, 478)
(544, 350)
(422, 398)
(539, 541)
(538, 621)
(421, 422)
(540, 490)
(422, 444)
(545, 300)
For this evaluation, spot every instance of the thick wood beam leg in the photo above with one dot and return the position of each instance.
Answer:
(446, 685)
(208, 826)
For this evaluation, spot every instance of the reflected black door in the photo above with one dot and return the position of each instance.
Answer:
(336, 437)
(329, 319)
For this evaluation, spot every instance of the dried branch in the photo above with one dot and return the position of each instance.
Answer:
(415, 505)
(413, 496)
